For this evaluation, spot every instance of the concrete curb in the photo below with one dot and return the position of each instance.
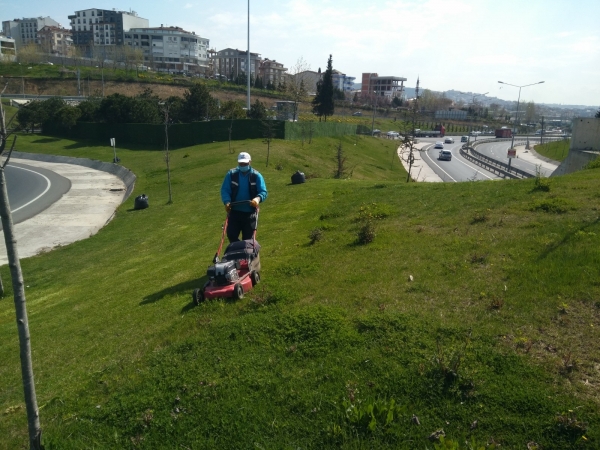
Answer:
(126, 175)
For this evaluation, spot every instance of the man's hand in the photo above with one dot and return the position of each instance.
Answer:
(254, 202)
(228, 207)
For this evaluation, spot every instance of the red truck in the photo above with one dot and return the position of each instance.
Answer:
(503, 133)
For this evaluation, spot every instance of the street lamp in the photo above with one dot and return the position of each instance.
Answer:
(512, 142)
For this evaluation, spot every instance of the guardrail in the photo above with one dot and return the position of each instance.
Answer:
(495, 166)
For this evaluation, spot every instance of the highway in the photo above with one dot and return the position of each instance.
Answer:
(32, 189)
(498, 151)
(458, 169)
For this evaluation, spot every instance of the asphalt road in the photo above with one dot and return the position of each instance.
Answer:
(32, 189)
(499, 151)
(458, 169)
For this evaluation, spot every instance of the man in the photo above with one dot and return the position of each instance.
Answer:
(242, 183)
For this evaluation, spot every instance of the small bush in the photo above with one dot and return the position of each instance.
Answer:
(315, 235)
(479, 218)
(541, 184)
(595, 164)
(366, 233)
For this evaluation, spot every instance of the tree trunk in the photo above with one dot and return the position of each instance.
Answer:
(33, 418)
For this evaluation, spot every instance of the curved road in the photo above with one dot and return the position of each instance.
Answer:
(458, 169)
(499, 150)
(32, 189)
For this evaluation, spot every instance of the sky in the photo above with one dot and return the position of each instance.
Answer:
(465, 45)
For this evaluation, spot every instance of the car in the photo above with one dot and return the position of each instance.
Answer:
(475, 133)
(464, 139)
(393, 134)
(448, 140)
(357, 113)
(48, 63)
(439, 144)
(376, 132)
(445, 155)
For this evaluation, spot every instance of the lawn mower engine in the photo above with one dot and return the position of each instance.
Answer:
(223, 273)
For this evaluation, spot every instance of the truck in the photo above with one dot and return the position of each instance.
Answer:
(438, 131)
(503, 133)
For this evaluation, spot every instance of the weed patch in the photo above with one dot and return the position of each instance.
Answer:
(554, 206)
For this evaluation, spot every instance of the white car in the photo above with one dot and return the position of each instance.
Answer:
(448, 140)
(393, 134)
(475, 133)
(439, 144)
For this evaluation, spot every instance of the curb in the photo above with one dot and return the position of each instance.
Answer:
(126, 175)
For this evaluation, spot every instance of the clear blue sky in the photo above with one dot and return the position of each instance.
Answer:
(467, 45)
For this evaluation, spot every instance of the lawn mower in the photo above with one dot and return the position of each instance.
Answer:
(234, 274)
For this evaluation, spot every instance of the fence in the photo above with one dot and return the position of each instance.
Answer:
(188, 134)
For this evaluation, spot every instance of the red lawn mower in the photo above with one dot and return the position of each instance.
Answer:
(236, 273)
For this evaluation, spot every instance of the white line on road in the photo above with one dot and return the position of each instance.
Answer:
(47, 187)
(473, 167)
(431, 159)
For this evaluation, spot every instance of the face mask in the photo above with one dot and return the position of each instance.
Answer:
(244, 168)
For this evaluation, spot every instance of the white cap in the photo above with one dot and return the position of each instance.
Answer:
(244, 157)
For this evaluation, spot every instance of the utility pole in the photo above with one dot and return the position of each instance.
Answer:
(248, 71)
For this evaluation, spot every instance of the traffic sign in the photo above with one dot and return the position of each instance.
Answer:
(512, 153)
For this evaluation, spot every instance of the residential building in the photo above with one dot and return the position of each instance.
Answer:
(271, 71)
(387, 86)
(310, 79)
(8, 49)
(170, 49)
(102, 28)
(55, 40)
(231, 63)
(25, 31)
(342, 81)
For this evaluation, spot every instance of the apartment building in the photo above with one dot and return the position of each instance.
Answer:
(25, 31)
(271, 71)
(170, 49)
(231, 63)
(385, 86)
(342, 81)
(8, 49)
(102, 27)
(55, 40)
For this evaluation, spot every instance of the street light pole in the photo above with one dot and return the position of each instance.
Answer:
(248, 71)
(512, 142)
(374, 108)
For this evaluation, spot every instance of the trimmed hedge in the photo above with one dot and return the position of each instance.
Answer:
(294, 131)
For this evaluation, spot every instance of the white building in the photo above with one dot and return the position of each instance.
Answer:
(170, 49)
(8, 50)
(342, 81)
(25, 31)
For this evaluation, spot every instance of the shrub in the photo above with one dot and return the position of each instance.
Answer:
(366, 233)
(315, 235)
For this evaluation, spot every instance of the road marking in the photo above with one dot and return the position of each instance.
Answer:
(426, 152)
(47, 187)
(473, 167)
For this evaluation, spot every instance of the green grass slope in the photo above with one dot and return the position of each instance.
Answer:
(475, 310)
(557, 150)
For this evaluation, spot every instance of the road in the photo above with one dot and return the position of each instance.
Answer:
(499, 150)
(458, 169)
(32, 189)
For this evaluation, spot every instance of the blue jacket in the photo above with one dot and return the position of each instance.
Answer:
(243, 190)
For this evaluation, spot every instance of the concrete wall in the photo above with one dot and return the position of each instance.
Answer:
(585, 146)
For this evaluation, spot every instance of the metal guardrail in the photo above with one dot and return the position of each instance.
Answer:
(499, 167)
(494, 165)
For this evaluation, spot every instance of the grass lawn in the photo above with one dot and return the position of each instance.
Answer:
(475, 309)
(556, 150)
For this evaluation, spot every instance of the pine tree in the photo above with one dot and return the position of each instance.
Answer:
(323, 105)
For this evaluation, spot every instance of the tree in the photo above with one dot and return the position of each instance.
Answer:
(68, 115)
(89, 109)
(296, 87)
(258, 110)
(33, 416)
(530, 112)
(198, 104)
(232, 109)
(598, 114)
(323, 102)
(269, 134)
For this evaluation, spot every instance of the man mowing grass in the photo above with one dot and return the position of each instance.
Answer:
(242, 190)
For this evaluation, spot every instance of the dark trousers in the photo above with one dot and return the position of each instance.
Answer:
(240, 221)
